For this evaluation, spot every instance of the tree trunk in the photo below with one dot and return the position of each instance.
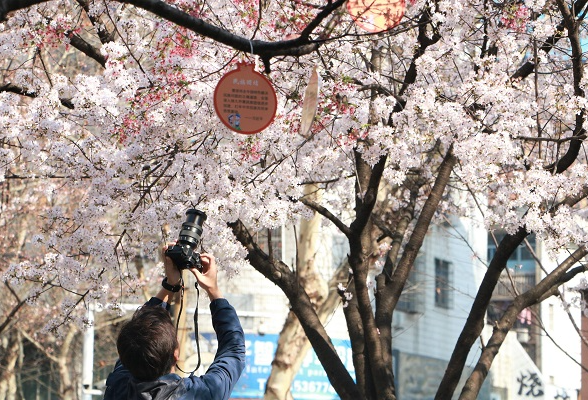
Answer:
(10, 345)
(325, 311)
(178, 311)
(292, 346)
(7, 366)
(66, 369)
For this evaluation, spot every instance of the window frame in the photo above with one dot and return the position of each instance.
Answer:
(443, 284)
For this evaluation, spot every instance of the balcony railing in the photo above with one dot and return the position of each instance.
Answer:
(505, 289)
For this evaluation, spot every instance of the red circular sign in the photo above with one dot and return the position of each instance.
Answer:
(376, 15)
(244, 100)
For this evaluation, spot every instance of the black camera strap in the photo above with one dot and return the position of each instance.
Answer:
(196, 334)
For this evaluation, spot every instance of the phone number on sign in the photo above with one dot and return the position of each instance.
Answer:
(312, 387)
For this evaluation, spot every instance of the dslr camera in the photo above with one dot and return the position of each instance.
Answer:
(184, 253)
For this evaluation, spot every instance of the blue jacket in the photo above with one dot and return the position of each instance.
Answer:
(216, 384)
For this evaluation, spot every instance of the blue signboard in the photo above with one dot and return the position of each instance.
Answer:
(311, 382)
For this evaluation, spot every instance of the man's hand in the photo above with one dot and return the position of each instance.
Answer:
(172, 272)
(207, 279)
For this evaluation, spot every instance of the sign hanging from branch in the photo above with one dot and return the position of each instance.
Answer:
(376, 15)
(245, 100)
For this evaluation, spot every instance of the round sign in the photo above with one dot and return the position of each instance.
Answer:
(376, 15)
(245, 100)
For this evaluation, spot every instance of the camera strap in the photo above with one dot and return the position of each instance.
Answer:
(196, 334)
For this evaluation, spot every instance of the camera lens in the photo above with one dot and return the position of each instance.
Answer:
(192, 228)
(195, 216)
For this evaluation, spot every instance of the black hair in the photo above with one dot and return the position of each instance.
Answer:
(146, 343)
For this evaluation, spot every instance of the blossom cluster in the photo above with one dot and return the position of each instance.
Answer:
(111, 156)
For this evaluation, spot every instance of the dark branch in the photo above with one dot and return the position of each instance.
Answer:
(266, 50)
(87, 49)
(7, 6)
(424, 40)
(9, 87)
(475, 322)
(103, 34)
(327, 214)
(527, 68)
(326, 11)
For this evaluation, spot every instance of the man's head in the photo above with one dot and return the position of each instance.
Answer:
(147, 344)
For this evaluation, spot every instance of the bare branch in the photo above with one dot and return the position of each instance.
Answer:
(327, 214)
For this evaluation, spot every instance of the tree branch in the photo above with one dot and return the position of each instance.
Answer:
(393, 286)
(326, 11)
(7, 6)
(475, 322)
(86, 48)
(526, 69)
(103, 34)
(266, 50)
(9, 87)
(13, 312)
(39, 346)
(424, 40)
(366, 201)
(327, 214)
(573, 151)
(279, 273)
(548, 284)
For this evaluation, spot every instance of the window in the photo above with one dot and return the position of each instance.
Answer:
(442, 283)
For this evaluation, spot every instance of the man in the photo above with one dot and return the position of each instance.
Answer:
(148, 347)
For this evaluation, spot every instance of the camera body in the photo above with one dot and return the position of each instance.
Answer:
(184, 253)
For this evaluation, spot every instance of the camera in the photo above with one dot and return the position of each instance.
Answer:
(183, 253)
